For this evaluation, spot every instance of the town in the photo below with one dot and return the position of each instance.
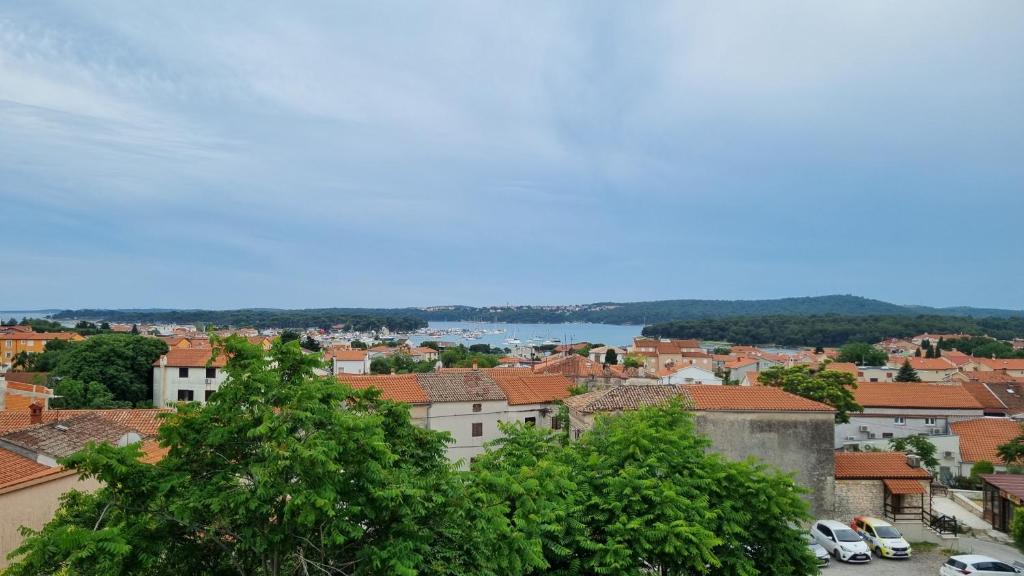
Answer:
(910, 435)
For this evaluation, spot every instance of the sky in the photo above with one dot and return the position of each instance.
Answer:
(314, 154)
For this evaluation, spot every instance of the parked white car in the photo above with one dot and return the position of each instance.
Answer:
(841, 542)
(976, 566)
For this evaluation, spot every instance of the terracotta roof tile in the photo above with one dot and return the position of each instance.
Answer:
(920, 363)
(980, 438)
(66, 437)
(467, 386)
(396, 387)
(1003, 363)
(192, 358)
(522, 386)
(146, 421)
(904, 486)
(43, 336)
(984, 395)
(37, 377)
(875, 465)
(15, 467)
(914, 395)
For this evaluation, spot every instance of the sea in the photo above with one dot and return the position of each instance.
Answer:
(496, 334)
(21, 314)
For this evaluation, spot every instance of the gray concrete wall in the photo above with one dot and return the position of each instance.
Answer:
(799, 443)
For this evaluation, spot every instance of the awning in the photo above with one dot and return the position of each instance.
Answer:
(904, 486)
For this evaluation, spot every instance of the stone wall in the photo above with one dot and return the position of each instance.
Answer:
(800, 443)
(859, 497)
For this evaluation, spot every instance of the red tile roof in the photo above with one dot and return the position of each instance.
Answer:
(984, 395)
(920, 363)
(68, 436)
(849, 367)
(522, 386)
(192, 358)
(875, 465)
(1003, 363)
(43, 336)
(29, 377)
(980, 438)
(914, 395)
(348, 355)
(396, 387)
(904, 486)
(15, 467)
(146, 421)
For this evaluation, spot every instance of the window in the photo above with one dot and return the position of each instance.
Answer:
(211, 372)
(577, 433)
(185, 396)
(478, 429)
(478, 407)
(873, 380)
(8, 343)
(929, 421)
(899, 420)
(860, 373)
(886, 434)
(209, 394)
(556, 423)
(182, 372)
(532, 421)
(7, 354)
(888, 374)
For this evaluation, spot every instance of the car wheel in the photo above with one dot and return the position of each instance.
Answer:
(877, 552)
(835, 554)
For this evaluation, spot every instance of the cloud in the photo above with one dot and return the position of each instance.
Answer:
(388, 153)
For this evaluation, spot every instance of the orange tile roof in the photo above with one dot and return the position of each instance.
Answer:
(145, 421)
(930, 363)
(979, 439)
(903, 486)
(741, 362)
(875, 465)
(849, 367)
(43, 336)
(396, 387)
(1003, 363)
(914, 395)
(992, 376)
(522, 386)
(984, 395)
(15, 467)
(192, 358)
(26, 377)
(348, 355)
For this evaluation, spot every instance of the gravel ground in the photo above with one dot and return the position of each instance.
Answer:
(921, 564)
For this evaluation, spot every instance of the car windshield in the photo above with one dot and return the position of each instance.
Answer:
(887, 532)
(846, 535)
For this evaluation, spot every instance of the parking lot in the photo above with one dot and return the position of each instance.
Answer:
(923, 563)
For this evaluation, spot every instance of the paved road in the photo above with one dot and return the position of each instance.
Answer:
(923, 564)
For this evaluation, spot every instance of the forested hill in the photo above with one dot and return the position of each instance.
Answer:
(353, 319)
(832, 330)
(602, 312)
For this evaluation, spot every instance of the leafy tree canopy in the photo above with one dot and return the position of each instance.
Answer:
(826, 386)
(123, 363)
(920, 446)
(862, 354)
(71, 393)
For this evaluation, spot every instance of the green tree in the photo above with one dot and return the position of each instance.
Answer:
(71, 393)
(826, 386)
(639, 494)
(907, 373)
(611, 357)
(289, 335)
(917, 352)
(461, 357)
(122, 362)
(633, 361)
(722, 350)
(429, 344)
(104, 326)
(135, 329)
(359, 344)
(1017, 528)
(919, 446)
(282, 472)
(862, 354)
(22, 361)
(310, 344)
(977, 469)
(1013, 451)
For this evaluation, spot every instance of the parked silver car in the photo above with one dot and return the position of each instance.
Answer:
(819, 551)
(976, 565)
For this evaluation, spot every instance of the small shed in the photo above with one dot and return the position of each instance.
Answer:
(1001, 495)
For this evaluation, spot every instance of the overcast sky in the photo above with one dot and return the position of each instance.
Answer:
(222, 155)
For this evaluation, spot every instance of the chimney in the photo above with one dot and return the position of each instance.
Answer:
(475, 366)
(35, 413)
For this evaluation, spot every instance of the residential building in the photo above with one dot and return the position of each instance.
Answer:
(998, 394)
(980, 440)
(781, 429)
(933, 369)
(187, 375)
(687, 375)
(14, 342)
(348, 361)
(887, 485)
(31, 484)
(1009, 366)
(599, 354)
(17, 394)
(737, 370)
(873, 373)
(898, 347)
(468, 403)
(423, 354)
(514, 362)
(899, 409)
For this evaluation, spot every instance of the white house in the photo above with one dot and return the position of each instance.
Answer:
(349, 361)
(901, 409)
(687, 375)
(469, 403)
(187, 375)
